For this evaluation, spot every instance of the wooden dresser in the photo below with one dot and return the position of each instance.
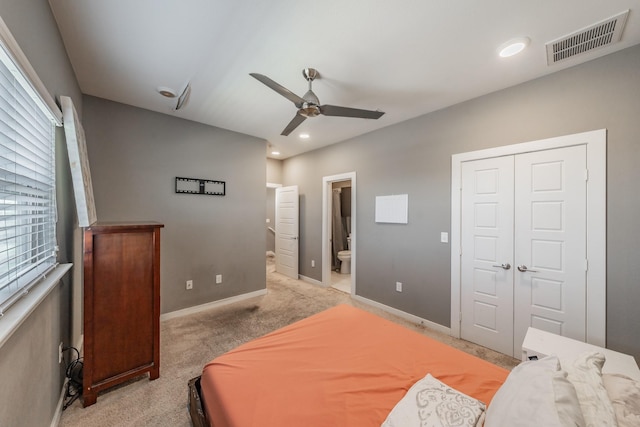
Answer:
(121, 304)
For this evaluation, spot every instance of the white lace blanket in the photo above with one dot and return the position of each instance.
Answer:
(431, 403)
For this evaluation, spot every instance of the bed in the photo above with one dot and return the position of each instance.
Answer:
(348, 367)
(341, 367)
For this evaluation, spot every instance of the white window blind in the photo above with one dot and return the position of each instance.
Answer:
(27, 185)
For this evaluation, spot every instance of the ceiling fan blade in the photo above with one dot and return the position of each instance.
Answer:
(279, 88)
(333, 110)
(297, 120)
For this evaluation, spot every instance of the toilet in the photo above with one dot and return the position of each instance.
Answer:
(345, 258)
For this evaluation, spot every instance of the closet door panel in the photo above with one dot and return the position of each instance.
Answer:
(487, 253)
(550, 241)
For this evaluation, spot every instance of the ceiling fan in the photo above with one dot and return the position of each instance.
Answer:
(309, 104)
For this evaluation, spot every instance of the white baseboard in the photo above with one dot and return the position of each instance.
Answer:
(403, 314)
(55, 421)
(310, 280)
(210, 305)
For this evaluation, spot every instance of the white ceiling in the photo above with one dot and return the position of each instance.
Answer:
(404, 57)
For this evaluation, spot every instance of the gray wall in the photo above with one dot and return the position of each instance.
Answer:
(414, 157)
(31, 376)
(135, 156)
(274, 171)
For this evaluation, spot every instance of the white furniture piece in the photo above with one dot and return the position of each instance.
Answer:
(541, 343)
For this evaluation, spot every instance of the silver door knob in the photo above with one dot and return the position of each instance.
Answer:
(506, 266)
(523, 268)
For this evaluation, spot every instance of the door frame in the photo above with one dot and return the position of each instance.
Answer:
(327, 182)
(596, 177)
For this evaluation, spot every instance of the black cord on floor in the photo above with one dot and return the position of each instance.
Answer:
(74, 379)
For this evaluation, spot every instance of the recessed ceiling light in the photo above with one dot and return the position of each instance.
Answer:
(513, 47)
(275, 153)
(168, 92)
(304, 136)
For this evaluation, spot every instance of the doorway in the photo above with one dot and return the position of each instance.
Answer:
(271, 221)
(528, 233)
(339, 231)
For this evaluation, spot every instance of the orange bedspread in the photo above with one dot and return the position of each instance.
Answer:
(341, 367)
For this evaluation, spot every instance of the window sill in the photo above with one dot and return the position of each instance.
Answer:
(18, 313)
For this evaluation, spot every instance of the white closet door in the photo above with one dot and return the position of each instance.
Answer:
(550, 241)
(487, 253)
(287, 224)
(523, 239)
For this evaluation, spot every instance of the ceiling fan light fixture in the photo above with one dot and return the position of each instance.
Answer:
(309, 111)
(513, 47)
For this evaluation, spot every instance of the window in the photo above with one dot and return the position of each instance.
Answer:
(27, 179)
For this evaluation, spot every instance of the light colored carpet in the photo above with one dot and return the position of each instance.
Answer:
(188, 342)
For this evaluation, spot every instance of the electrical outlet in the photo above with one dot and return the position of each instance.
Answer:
(189, 284)
(399, 286)
(60, 346)
(313, 263)
(218, 279)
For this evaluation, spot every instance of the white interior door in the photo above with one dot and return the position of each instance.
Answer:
(523, 247)
(487, 253)
(287, 224)
(550, 243)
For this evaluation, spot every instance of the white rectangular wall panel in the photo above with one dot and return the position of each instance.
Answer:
(392, 209)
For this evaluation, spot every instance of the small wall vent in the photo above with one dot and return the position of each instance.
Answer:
(593, 37)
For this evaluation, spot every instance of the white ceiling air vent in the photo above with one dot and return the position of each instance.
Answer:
(595, 36)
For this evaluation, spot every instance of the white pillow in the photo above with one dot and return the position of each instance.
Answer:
(624, 394)
(536, 393)
(585, 373)
(431, 403)
(566, 401)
